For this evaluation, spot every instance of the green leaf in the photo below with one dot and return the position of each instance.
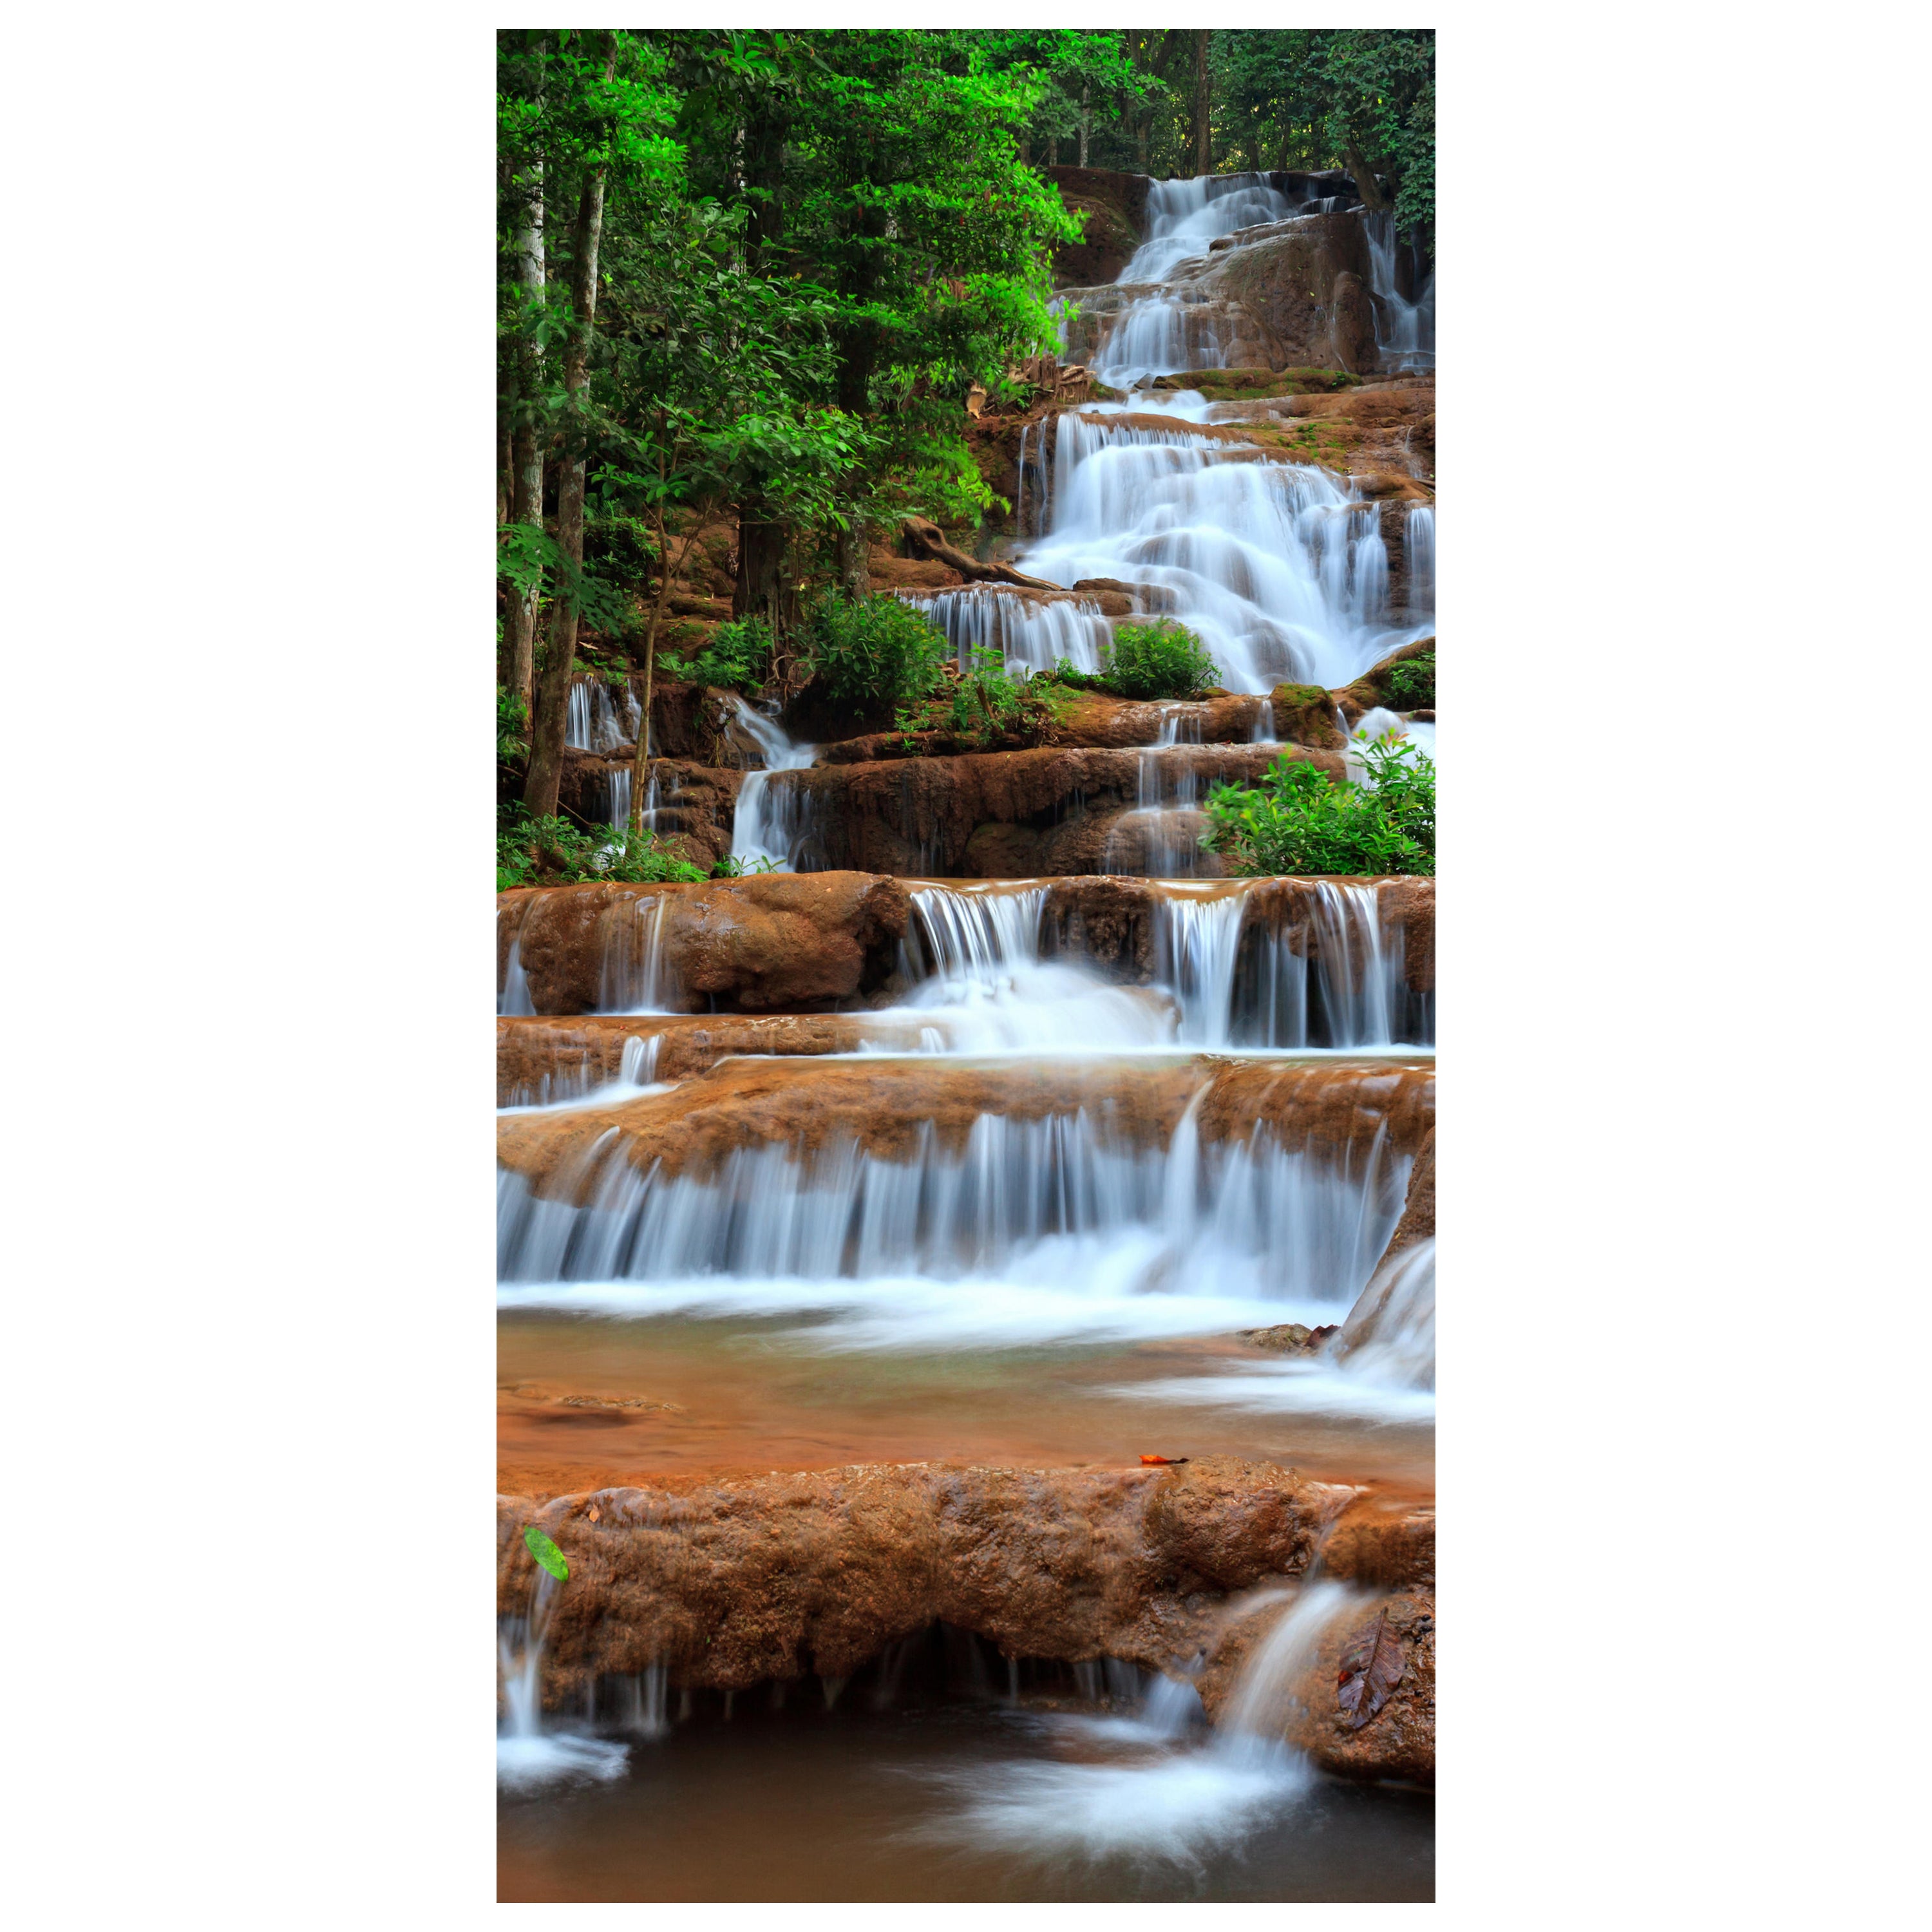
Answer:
(546, 1552)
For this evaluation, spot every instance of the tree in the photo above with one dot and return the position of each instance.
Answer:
(906, 200)
(601, 116)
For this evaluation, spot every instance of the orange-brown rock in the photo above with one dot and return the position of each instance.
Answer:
(543, 1057)
(893, 1109)
(1113, 209)
(917, 817)
(731, 1583)
(751, 944)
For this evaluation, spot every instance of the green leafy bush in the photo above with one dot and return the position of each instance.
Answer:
(985, 704)
(1410, 686)
(737, 656)
(555, 851)
(1294, 820)
(1162, 659)
(873, 650)
(513, 727)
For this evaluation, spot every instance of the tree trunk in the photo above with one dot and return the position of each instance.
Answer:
(553, 705)
(520, 624)
(1086, 120)
(760, 591)
(1364, 178)
(1203, 147)
(1053, 151)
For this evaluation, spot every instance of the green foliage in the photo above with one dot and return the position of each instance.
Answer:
(873, 650)
(737, 656)
(1295, 819)
(1162, 659)
(555, 851)
(1410, 684)
(529, 559)
(546, 1552)
(620, 549)
(731, 867)
(513, 727)
(984, 704)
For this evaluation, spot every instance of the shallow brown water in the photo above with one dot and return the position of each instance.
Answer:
(587, 1401)
(804, 1805)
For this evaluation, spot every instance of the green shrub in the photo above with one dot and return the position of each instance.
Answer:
(1162, 659)
(620, 550)
(737, 656)
(873, 650)
(513, 727)
(1410, 686)
(1295, 820)
(985, 704)
(555, 851)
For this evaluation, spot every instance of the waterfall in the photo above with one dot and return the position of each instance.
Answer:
(1390, 1332)
(1033, 1228)
(595, 723)
(527, 1755)
(1183, 216)
(514, 996)
(1030, 636)
(1419, 541)
(1263, 1699)
(1405, 328)
(620, 796)
(1279, 567)
(768, 827)
(634, 977)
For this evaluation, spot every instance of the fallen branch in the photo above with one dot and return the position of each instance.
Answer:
(925, 538)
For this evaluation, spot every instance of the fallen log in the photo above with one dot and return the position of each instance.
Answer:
(924, 539)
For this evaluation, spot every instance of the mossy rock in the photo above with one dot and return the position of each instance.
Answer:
(1305, 714)
(1373, 687)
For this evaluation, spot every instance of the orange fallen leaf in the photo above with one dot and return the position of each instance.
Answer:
(1163, 1462)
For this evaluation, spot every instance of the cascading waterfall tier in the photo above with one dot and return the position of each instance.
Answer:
(595, 721)
(1100, 1203)
(1031, 633)
(1280, 568)
(768, 826)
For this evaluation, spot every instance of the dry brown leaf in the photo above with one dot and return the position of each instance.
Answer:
(1371, 1668)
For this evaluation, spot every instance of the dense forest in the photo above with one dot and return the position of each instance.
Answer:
(749, 280)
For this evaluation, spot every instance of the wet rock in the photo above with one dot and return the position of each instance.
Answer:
(544, 1057)
(1281, 293)
(917, 816)
(1371, 688)
(1352, 323)
(748, 944)
(1290, 1338)
(898, 1109)
(734, 1582)
(1114, 208)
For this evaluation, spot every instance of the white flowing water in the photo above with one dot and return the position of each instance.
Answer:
(1164, 1794)
(1280, 568)
(530, 1755)
(1032, 637)
(1033, 1230)
(768, 826)
(1419, 536)
(595, 721)
(1404, 326)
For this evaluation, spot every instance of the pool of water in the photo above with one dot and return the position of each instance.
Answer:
(587, 1401)
(955, 1801)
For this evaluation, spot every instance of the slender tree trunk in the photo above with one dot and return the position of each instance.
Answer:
(520, 624)
(640, 768)
(1053, 151)
(1086, 120)
(1145, 135)
(1204, 149)
(553, 705)
(1364, 178)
